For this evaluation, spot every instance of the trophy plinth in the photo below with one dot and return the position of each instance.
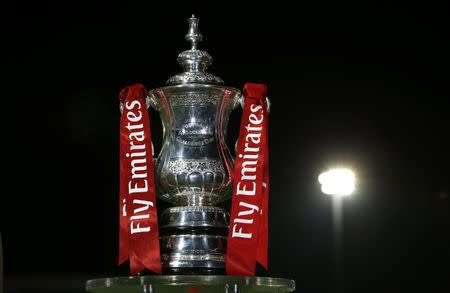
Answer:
(188, 284)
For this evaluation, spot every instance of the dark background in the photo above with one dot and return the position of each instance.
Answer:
(363, 85)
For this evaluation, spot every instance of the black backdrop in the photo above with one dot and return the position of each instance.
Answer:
(363, 85)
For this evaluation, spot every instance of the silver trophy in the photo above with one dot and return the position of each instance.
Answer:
(192, 171)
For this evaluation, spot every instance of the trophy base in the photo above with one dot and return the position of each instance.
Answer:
(193, 240)
(189, 284)
(192, 264)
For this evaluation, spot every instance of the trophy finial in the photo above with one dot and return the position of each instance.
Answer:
(194, 61)
(194, 36)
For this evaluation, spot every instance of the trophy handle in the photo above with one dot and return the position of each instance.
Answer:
(148, 103)
(241, 101)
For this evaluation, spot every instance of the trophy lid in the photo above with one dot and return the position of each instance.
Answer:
(194, 61)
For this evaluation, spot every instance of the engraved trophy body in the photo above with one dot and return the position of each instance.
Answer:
(194, 168)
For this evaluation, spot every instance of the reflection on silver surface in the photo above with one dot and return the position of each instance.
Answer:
(193, 244)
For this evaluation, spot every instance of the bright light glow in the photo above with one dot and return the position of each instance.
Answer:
(339, 182)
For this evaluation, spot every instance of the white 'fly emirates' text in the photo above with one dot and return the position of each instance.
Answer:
(139, 179)
(246, 183)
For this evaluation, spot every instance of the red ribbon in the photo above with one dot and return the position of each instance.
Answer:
(138, 239)
(248, 234)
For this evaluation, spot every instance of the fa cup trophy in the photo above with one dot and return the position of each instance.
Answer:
(194, 243)
(194, 167)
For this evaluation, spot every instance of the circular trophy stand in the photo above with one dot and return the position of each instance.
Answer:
(189, 284)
